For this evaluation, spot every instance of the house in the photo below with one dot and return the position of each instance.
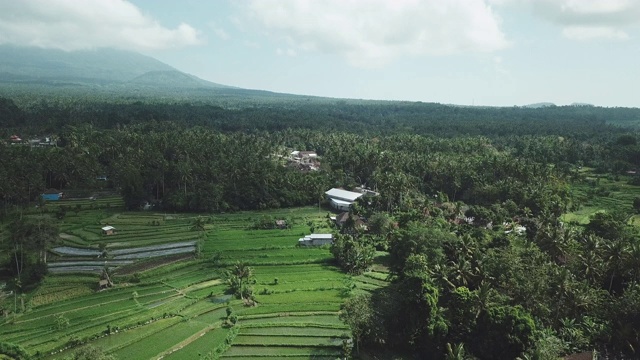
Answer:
(103, 284)
(281, 224)
(344, 217)
(342, 199)
(108, 230)
(304, 154)
(15, 139)
(316, 240)
(51, 195)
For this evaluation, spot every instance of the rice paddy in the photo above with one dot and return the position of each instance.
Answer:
(169, 300)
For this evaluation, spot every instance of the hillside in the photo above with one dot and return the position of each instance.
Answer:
(100, 67)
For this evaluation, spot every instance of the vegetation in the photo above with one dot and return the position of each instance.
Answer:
(497, 232)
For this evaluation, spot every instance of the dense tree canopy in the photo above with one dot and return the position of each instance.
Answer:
(457, 187)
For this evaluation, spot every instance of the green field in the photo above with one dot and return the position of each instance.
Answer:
(601, 193)
(177, 309)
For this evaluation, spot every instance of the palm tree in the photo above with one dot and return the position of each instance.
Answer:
(456, 352)
(615, 254)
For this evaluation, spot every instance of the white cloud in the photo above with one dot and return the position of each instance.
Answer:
(610, 13)
(585, 33)
(220, 32)
(74, 25)
(287, 52)
(373, 33)
(585, 19)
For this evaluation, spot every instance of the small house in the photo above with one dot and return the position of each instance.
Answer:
(108, 230)
(51, 195)
(281, 224)
(103, 284)
(316, 240)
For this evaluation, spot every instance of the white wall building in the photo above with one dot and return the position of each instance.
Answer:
(316, 240)
(342, 199)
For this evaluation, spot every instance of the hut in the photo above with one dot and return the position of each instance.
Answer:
(108, 230)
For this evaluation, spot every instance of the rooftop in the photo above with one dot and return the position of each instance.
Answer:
(343, 194)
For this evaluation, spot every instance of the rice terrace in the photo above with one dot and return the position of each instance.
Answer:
(167, 298)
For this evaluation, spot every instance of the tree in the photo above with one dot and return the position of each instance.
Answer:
(29, 242)
(198, 224)
(352, 255)
(239, 278)
(636, 204)
(503, 332)
(358, 314)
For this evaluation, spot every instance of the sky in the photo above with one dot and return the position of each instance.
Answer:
(466, 52)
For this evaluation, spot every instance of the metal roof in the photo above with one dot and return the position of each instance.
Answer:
(343, 194)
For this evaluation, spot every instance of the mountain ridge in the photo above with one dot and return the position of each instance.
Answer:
(99, 67)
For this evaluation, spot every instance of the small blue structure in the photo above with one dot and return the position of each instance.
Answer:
(51, 195)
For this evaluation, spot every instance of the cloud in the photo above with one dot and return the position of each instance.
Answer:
(86, 24)
(287, 52)
(585, 19)
(372, 33)
(585, 33)
(220, 32)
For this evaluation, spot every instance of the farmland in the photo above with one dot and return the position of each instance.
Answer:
(602, 193)
(174, 304)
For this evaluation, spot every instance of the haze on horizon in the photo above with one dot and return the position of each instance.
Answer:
(482, 52)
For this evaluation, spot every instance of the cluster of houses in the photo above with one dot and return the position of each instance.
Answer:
(304, 160)
(33, 142)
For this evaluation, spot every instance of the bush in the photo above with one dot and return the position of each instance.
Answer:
(13, 351)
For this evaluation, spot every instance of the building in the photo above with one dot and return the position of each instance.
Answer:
(302, 155)
(342, 199)
(108, 230)
(316, 240)
(51, 195)
(344, 218)
(281, 224)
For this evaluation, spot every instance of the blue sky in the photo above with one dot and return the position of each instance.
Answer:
(482, 52)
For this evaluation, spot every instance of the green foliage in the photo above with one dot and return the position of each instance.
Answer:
(13, 351)
(61, 322)
(357, 312)
(503, 332)
(352, 254)
(239, 279)
(90, 352)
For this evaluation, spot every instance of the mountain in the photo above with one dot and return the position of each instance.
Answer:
(100, 67)
(539, 105)
(172, 78)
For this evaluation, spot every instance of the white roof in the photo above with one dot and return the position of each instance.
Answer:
(343, 194)
(321, 236)
(108, 227)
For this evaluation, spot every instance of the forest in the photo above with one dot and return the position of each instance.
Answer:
(455, 185)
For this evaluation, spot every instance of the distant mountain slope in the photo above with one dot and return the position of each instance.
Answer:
(172, 78)
(90, 67)
(539, 105)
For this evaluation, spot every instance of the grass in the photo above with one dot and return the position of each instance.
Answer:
(600, 193)
(177, 310)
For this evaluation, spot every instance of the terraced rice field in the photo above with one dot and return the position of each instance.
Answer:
(599, 193)
(178, 310)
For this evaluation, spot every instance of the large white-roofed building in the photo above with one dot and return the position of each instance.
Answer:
(342, 199)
